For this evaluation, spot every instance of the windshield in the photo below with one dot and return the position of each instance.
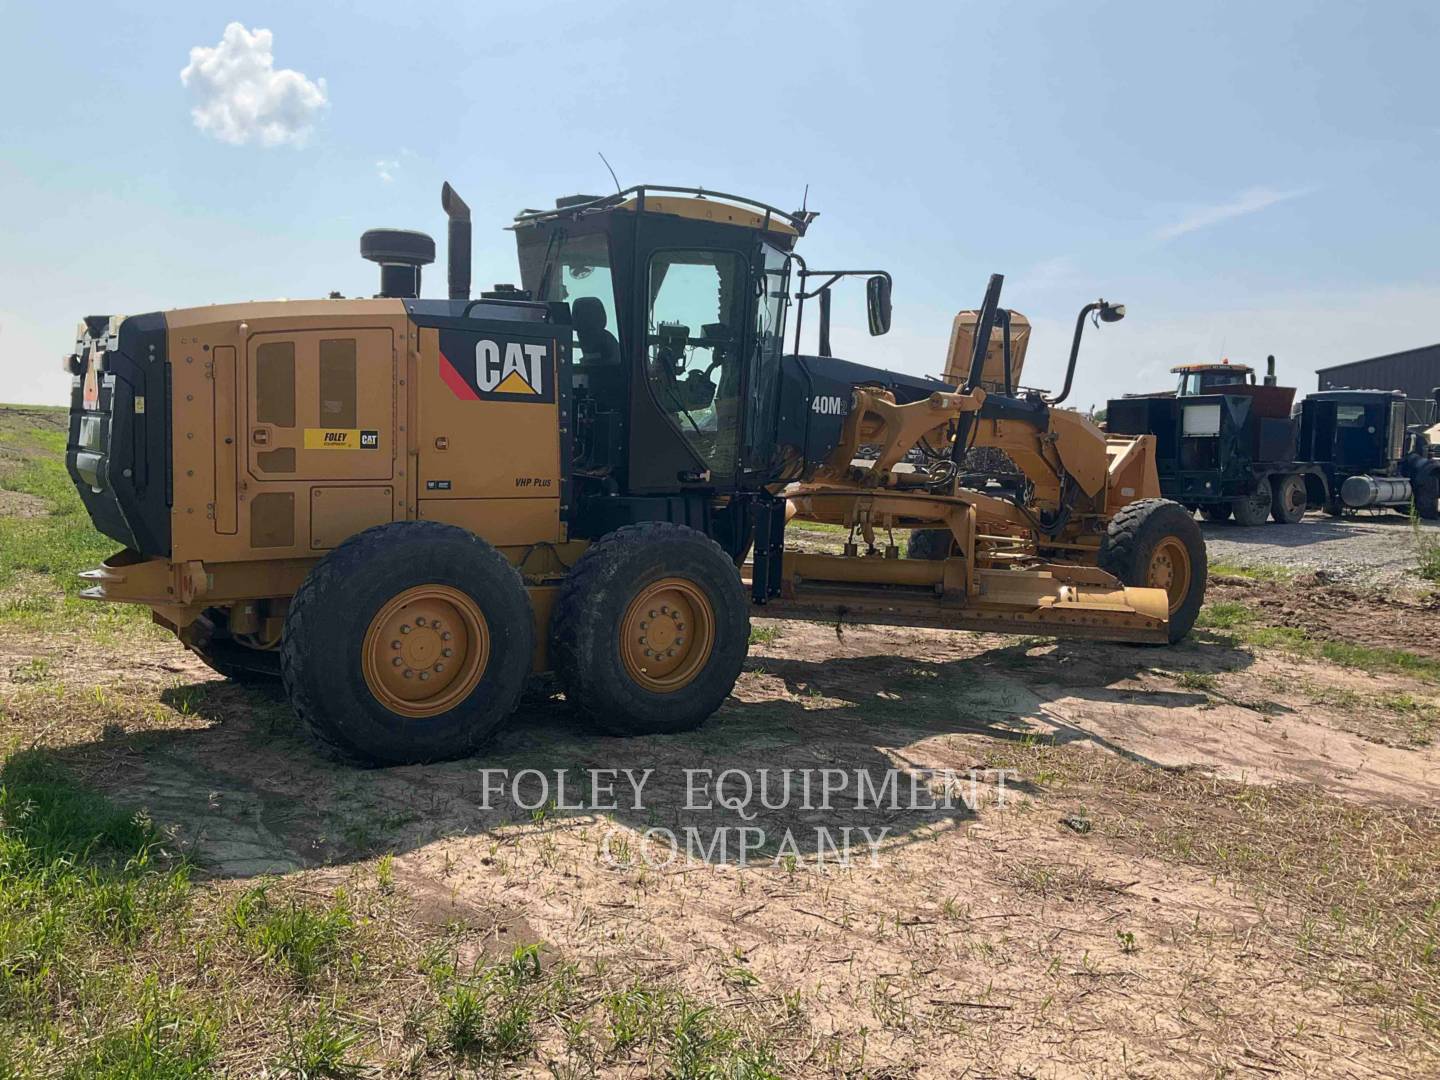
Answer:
(556, 265)
(1206, 382)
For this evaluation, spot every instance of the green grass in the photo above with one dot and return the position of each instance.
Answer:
(320, 1048)
(112, 966)
(47, 552)
(301, 940)
(763, 635)
(166, 1041)
(1427, 550)
(1242, 623)
(818, 527)
(81, 878)
(1252, 573)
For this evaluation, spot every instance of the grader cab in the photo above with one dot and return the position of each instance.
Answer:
(404, 507)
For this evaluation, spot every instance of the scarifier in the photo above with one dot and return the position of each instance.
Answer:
(404, 507)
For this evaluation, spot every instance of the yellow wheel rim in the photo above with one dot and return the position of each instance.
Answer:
(1170, 570)
(666, 635)
(425, 650)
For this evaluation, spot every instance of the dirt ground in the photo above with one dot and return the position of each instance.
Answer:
(1074, 920)
(1217, 859)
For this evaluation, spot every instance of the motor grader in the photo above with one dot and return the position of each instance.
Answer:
(404, 507)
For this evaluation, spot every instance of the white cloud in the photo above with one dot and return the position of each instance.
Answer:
(239, 97)
(1249, 201)
(386, 170)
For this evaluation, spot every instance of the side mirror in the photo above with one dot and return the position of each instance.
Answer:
(877, 304)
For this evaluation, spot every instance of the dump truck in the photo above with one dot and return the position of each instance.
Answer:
(1226, 444)
(1370, 455)
(405, 507)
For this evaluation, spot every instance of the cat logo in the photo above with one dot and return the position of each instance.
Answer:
(520, 369)
(480, 368)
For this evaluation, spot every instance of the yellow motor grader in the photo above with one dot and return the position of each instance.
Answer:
(404, 507)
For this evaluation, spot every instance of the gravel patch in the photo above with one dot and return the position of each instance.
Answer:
(1372, 550)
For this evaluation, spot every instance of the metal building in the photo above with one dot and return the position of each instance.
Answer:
(1416, 372)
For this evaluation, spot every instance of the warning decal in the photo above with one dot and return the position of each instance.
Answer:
(341, 439)
(482, 367)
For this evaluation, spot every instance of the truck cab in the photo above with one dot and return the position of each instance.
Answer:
(1373, 458)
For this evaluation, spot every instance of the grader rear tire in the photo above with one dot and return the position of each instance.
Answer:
(236, 662)
(1156, 543)
(1290, 501)
(928, 544)
(249, 667)
(408, 643)
(650, 630)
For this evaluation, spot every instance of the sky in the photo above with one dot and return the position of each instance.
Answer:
(1246, 178)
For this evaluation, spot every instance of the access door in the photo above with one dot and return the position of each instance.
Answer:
(320, 405)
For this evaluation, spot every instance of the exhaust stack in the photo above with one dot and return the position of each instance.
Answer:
(1270, 379)
(459, 258)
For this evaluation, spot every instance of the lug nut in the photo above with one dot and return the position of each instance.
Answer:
(445, 636)
(439, 667)
(420, 620)
(409, 674)
(679, 641)
(447, 652)
(397, 661)
(649, 652)
(653, 614)
(679, 626)
(644, 625)
(405, 629)
(424, 675)
(395, 644)
(664, 610)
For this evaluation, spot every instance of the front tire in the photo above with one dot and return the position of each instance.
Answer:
(409, 643)
(650, 630)
(1290, 501)
(1155, 543)
(1427, 497)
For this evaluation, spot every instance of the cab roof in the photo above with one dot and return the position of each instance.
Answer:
(1239, 369)
(694, 203)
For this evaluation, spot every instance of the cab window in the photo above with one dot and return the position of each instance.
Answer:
(694, 334)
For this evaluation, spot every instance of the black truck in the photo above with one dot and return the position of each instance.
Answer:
(1226, 445)
(1373, 450)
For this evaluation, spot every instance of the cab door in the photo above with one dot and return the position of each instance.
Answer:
(689, 343)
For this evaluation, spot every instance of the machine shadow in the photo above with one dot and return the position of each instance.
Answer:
(245, 794)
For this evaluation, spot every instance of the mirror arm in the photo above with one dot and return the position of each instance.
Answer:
(800, 300)
(825, 321)
(1074, 353)
(984, 325)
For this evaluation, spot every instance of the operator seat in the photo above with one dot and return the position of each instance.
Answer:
(597, 344)
(599, 367)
